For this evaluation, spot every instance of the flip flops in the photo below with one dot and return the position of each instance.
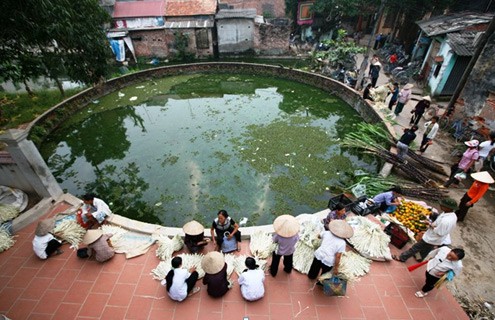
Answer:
(421, 294)
(194, 291)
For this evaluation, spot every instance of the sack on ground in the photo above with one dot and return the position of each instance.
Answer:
(334, 286)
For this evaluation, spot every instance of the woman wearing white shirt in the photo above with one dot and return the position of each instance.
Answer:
(431, 129)
(251, 281)
(486, 148)
(180, 282)
(441, 261)
(44, 243)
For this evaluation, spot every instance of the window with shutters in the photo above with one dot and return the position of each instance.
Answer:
(202, 39)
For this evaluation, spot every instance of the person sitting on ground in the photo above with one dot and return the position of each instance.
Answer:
(469, 157)
(286, 236)
(405, 140)
(44, 243)
(251, 281)
(367, 92)
(327, 256)
(194, 239)
(180, 282)
(442, 261)
(94, 211)
(213, 263)
(389, 199)
(339, 212)
(437, 234)
(224, 224)
(431, 129)
(419, 109)
(482, 181)
(99, 245)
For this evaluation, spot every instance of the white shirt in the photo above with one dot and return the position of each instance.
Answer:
(99, 210)
(40, 244)
(251, 283)
(178, 290)
(330, 246)
(442, 227)
(484, 148)
(439, 263)
(433, 132)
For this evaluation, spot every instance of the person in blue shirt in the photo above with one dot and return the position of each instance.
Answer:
(388, 199)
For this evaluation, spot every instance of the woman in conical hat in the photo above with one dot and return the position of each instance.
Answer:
(482, 181)
(194, 239)
(213, 263)
(286, 235)
(44, 243)
(99, 245)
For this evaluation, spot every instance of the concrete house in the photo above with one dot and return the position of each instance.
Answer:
(446, 45)
(235, 29)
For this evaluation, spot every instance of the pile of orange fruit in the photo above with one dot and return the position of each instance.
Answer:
(411, 215)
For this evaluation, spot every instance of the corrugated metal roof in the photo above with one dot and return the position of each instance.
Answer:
(236, 13)
(176, 8)
(452, 23)
(463, 43)
(189, 24)
(138, 9)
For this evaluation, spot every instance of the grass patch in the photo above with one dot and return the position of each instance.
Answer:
(20, 108)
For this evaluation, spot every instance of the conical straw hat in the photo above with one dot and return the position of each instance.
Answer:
(286, 226)
(409, 86)
(428, 98)
(482, 176)
(213, 262)
(193, 228)
(341, 229)
(44, 227)
(91, 236)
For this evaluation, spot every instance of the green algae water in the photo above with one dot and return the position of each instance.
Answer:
(180, 148)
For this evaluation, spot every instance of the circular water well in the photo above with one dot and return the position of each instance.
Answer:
(169, 149)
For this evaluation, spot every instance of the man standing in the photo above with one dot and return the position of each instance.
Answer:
(404, 141)
(431, 129)
(374, 73)
(438, 233)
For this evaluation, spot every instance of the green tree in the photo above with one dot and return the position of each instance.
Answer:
(53, 38)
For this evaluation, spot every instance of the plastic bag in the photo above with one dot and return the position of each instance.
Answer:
(359, 190)
(334, 286)
(460, 176)
(228, 245)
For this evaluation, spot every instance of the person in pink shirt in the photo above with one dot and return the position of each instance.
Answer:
(469, 157)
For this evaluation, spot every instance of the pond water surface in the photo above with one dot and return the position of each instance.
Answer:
(170, 150)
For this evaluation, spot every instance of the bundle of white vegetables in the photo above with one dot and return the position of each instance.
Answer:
(369, 239)
(230, 261)
(188, 261)
(167, 246)
(353, 266)
(116, 231)
(6, 240)
(305, 247)
(261, 244)
(70, 231)
(8, 212)
(240, 263)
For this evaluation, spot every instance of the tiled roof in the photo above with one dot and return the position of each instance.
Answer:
(452, 23)
(138, 9)
(236, 13)
(463, 43)
(175, 8)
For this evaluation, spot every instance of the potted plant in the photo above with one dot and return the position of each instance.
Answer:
(448, 204)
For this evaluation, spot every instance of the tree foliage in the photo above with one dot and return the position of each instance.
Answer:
(53, 38)
(340, 51)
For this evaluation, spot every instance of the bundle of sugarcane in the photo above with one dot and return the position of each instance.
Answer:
(167, 246)
(188, 261)
(8, 212)
(6, 240)
(240, 263)
(70, 231)
(428, 163)
(261, 244)
(369, 239)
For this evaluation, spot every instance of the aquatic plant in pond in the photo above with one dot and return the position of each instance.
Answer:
(183, 147)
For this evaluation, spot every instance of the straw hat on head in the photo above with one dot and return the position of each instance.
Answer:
(408, 86)
(483, 176)
(193, 228)
(213, 262)
(341, 229)
(44, 227)
(472, 143)
(428, 98)
(91, 236)
(286, 225)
